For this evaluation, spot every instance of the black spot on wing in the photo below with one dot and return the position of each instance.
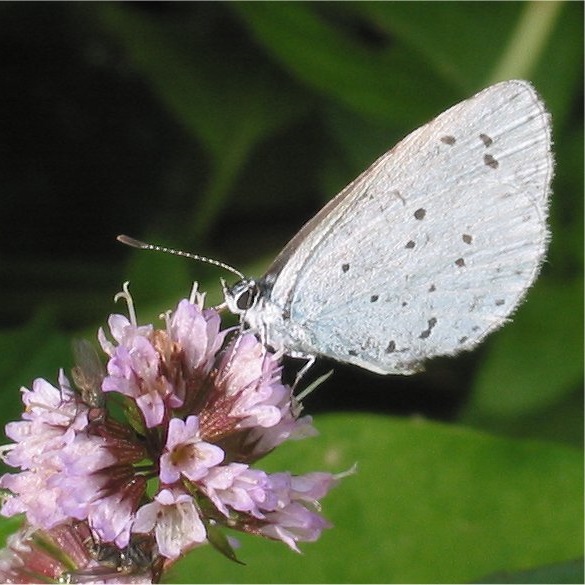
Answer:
(431, 324)
(490, 161)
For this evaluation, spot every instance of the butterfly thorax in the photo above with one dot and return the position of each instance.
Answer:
(251, 301)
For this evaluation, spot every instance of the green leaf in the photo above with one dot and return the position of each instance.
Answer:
(565, 257)
(430, 503)
(535, 362)
(34, 351)
(528, 41)
(383, 85)
(220, 542)
(569, 572)
(9, 526)
(228, 105)
(559, 75)
(447, 36)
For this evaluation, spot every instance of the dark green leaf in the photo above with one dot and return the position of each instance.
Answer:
(382, 84)
(538, 360)
(220, 542)
(569, 572)
(226, 105)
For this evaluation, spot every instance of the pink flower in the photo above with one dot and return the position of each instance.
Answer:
(307, 488)
(185, 452)
(237, 487)
(33, 497)
(54, 447)
(294, 523)
(54, 406)
(112, 519)
(123, 331)
(51, 418)
(197, 332)
(251, 401)
(133, 370)
(175, 521)
(167, 450)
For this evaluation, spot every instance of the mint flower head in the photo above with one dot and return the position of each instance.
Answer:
(156, 450)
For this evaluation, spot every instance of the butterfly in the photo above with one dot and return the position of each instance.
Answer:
(424, 254)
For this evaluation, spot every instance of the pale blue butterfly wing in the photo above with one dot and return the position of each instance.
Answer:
(427, 251)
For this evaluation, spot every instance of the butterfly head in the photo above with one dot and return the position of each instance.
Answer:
(242, 296)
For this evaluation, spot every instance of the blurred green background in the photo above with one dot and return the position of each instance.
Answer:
(220, 128)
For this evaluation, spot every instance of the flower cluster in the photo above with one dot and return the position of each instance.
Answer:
(160, 444)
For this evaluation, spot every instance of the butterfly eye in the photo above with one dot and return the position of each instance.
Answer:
(246, 298)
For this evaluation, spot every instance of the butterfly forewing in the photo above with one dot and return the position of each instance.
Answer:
(429, 249)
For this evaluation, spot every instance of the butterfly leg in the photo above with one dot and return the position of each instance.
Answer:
(300, 374)
(312, 386)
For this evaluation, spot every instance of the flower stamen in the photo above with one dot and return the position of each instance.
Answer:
(125, 294)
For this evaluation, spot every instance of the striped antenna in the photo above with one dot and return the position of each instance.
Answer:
(144, 246)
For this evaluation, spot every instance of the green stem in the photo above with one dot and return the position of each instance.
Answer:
(527, 41)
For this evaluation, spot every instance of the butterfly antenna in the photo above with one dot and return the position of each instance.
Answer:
(144, 246)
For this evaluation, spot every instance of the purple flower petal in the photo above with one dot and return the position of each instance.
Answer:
(186, 453)
(198, 334)
(175, 521)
